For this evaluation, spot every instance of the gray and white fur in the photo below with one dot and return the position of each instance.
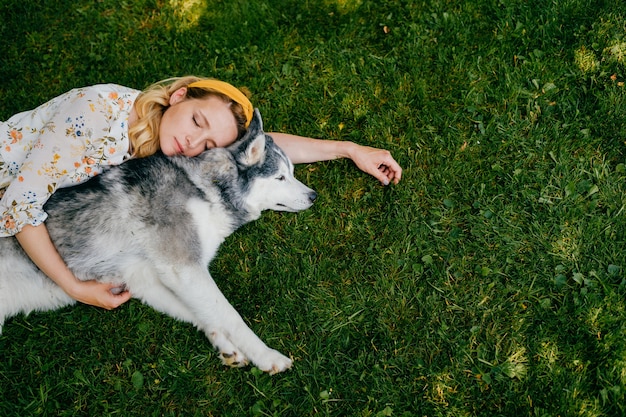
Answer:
(152, 225)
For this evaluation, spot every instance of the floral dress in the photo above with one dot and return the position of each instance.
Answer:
(63, 142)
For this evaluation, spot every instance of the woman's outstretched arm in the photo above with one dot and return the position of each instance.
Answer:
(377, 162)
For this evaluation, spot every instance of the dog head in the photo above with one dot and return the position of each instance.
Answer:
(266, 173)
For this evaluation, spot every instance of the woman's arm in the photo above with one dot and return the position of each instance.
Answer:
(376, 162)
(36, 242)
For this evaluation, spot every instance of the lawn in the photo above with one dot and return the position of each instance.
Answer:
(489, 282)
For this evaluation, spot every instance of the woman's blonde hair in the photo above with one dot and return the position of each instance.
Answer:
(154, 100)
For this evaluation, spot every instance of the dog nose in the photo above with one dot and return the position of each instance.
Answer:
(312, 196)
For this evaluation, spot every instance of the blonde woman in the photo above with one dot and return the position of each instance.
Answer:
(74, 136)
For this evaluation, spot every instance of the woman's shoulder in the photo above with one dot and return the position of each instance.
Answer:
(105, 90)
(113, 99)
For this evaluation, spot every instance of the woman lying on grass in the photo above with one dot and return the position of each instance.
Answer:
(72, 137)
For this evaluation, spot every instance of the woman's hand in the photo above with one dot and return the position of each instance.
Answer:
(105, 295)
(377, 162)
(36, 242)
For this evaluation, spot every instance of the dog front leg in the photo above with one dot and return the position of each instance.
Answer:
(222, 324)
(162, 299)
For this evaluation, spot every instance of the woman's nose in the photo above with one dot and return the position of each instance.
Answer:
(193, 141)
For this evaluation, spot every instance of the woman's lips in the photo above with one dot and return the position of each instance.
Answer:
(179, 148)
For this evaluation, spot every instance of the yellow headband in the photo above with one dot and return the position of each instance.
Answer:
(230, 91)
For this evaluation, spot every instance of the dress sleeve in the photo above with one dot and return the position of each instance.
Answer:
(74, 139)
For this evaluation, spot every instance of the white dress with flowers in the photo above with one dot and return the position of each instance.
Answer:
(61, 143)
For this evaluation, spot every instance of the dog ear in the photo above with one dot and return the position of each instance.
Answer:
(255, 152)
(250, 149)
(256, 124)
(252, 131)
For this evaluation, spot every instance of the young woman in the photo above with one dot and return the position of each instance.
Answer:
(74, 136)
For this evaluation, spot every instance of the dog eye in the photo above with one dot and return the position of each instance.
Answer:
(281, 178)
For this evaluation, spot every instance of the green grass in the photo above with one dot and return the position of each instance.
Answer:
(489, 282)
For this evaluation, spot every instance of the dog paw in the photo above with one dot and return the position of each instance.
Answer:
(229, 354)
(233, 359)
(273, 362)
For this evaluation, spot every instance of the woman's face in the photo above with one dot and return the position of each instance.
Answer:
(189, 126)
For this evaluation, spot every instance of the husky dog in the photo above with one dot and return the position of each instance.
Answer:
(153, 225)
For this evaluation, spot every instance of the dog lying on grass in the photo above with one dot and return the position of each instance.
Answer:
(153, 225)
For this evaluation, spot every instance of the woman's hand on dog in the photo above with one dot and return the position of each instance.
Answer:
(36, 242)
(104, 295)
